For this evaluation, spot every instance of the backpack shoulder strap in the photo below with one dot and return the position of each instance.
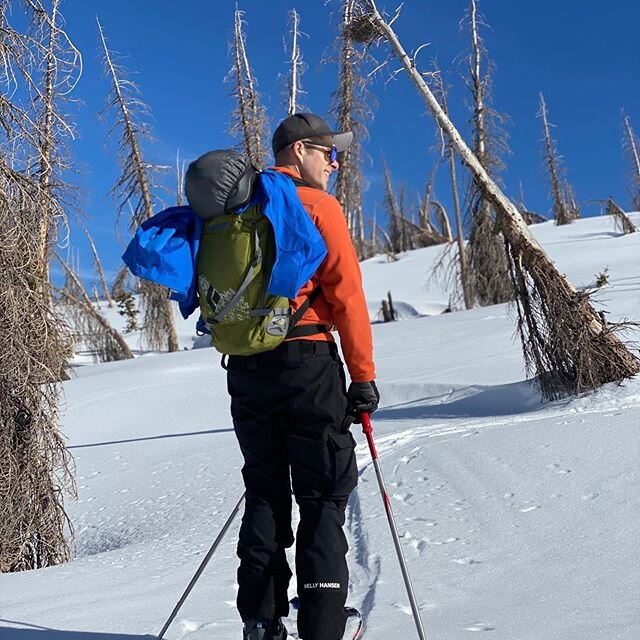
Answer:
(306, 330)
(299, 182)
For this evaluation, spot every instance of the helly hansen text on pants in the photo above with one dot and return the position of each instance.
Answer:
(288, 407)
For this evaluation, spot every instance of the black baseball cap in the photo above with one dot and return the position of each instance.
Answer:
(307, 125)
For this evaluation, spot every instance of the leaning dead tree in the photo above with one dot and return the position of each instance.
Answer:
(134, 188)
(632, 146)
(566, 343)
(249, 119)
(622, 220)
(351, 110)
(565, 209)
(296, 66)
(487, 255)
(35, 343)
(106, 344)
(99, 270)
(464, 276)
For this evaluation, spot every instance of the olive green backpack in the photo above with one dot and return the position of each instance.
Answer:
(235, 258)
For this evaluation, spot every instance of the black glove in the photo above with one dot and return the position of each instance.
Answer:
(362, 397)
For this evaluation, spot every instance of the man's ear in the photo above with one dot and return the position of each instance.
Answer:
(297, 148)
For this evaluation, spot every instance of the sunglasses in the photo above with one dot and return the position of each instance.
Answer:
(330, 152)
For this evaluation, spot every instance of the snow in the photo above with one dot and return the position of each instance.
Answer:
(519, 518)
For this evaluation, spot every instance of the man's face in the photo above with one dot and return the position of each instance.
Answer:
(315, 163)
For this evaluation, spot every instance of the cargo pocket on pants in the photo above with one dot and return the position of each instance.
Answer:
(343, 458)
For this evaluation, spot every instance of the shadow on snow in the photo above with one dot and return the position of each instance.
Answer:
(144, 439)
(473, 401)
(34, 632)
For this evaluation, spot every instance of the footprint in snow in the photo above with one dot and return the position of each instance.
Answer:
(479, 626)
(466, 561)
(189, 626)
(533, 507)
(404, 608)
(419, 545)
(557, 468)
(445, 541)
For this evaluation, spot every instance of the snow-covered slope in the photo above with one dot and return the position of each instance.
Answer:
(519, 518)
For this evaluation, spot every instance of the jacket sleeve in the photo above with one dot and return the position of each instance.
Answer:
(340, 277)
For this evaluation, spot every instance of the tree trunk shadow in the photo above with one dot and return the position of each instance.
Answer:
(43, 633)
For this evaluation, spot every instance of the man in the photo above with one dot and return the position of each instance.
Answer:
(292, 412)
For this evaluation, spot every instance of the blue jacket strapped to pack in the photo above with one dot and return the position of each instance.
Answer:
(165, 247)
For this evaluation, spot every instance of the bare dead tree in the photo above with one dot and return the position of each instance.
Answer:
(105, 342)
(394, 214)
(62, 68)
(529, 217)
(442, 221)
(622, 221)
(249, 119)
(134, 187)
(121, 282)
(487, 254)
(37, 67)
(566, 344)
(35, 346)
(465, 279)
(352, 108)
(373, 241)
(632, 146)
(180, 173)
(99, 269)
(296, 65)
(564, 208)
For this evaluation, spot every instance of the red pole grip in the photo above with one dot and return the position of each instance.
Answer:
(367, 429)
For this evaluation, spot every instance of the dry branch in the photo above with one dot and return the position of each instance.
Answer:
(99, 269)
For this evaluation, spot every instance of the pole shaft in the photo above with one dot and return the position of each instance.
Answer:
(367, 429)
(202, 567)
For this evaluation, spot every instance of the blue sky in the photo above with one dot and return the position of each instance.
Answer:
(583, 55)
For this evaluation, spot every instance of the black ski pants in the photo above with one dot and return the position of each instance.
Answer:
(288, 407)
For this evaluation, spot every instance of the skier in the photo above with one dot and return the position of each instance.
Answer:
(292, 412)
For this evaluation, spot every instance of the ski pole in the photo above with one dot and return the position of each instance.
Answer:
(367, 429)
(202, 566)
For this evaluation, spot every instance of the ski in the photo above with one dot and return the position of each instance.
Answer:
(354, 629)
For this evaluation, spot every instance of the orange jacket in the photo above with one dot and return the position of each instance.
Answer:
(342, 303)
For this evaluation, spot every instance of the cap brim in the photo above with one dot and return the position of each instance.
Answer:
(342, 140)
